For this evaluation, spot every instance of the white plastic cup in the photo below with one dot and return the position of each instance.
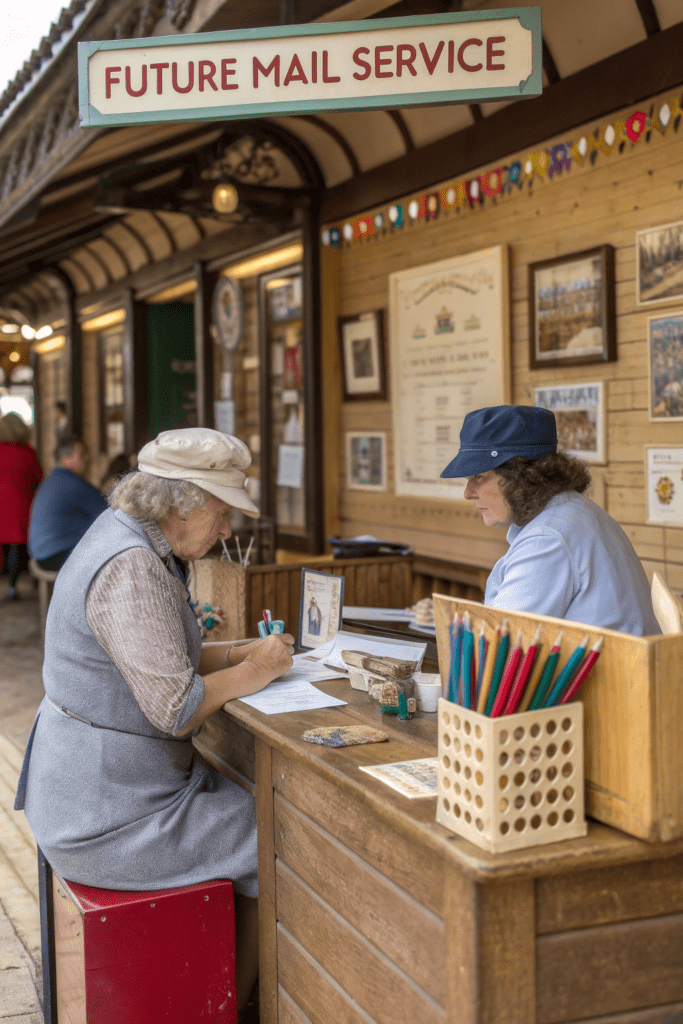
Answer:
(427, 691)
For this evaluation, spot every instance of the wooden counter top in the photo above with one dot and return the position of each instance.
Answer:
(601, 847)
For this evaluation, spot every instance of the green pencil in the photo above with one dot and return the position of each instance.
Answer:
(566, 674)
(547, 675)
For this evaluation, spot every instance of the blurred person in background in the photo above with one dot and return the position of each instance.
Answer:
(64, 507)
(20, 474)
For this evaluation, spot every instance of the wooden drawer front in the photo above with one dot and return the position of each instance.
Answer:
(388, 917)
(617, 969)
(344, 817)
(226, 744)
(359, 972)
(609, 895)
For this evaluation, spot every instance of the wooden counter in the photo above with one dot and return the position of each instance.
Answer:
(372, 912)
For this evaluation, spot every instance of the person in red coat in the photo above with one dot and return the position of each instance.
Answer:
(20, 474)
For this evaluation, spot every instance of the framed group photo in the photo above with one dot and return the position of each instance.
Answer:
(361, 339)
(572, 309)
(665, 349)
(580, 416)
(366, 461)
(659, 264)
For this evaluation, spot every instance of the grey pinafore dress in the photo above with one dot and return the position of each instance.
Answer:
(118, 804)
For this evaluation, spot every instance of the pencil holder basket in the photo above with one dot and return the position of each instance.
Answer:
(510, 782)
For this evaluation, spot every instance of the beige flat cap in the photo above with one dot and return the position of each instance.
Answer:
(211, 460)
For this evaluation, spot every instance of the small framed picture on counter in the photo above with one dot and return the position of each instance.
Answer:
(322, 602)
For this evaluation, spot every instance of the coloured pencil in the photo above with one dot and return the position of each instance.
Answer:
(487, 675)
(547, 675)
(501, 657)
(566, 675)
(446, 683)
(523, 675)
(483, 647)
(455, 663)
(467, 661)
(507, 679)
(580, 676)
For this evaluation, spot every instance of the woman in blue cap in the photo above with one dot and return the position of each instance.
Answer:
(567, 558)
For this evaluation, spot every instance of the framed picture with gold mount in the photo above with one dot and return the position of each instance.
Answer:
(227, 313)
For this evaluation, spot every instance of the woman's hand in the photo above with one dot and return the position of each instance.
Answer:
(267, 658)
(238, 654)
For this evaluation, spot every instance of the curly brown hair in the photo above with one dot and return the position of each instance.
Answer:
(528, 484)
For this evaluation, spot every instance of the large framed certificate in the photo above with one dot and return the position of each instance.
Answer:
(449, 354)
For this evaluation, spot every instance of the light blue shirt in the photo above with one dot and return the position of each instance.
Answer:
(573, 561)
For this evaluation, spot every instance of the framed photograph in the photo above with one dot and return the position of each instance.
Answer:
(450, 348)
(664, 486)
(659, 264)
(571, 309)
(362, 354)
(366, 461)
(665, 346)
(580, 415)
(322, 602)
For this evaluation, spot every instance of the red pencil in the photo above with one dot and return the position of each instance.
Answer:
(523, 675)
(580, 676)
(509, 673)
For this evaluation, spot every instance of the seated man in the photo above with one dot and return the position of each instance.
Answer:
(64, 507)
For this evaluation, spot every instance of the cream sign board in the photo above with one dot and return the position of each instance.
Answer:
(389, 62)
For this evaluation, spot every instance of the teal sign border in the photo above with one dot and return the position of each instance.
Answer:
(528, 17)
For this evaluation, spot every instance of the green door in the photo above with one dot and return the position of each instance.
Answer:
(172, 383)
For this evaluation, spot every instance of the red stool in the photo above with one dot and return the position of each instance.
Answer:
(160, 957)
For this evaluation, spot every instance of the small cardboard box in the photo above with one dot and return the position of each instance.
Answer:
(510, 782)
(633, 715)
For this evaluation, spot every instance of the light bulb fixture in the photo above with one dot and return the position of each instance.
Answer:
(14, 357)
(27, 332)
(44, 332)
(10, 328)
(225, 197)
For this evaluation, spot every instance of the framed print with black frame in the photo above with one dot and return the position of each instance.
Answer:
(322, 603)
(572, 309)
(361, 340)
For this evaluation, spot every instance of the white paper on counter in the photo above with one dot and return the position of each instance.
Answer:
(290, 695)
(330, 653)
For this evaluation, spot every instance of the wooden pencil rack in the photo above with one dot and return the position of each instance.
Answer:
(633, 709)
(511, 782)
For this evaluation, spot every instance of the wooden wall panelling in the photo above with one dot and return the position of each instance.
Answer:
(385, 915)
(609, 969)
(339, 949)
(602, 202)
(354, 825)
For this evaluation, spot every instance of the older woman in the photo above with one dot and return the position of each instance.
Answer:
(567, 557)
(112, 787)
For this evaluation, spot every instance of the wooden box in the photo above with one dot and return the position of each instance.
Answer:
(633, 714)
(511, 782)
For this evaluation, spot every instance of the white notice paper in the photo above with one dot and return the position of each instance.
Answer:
(290, 695)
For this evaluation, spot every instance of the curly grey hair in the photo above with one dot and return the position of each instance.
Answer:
(144, 496)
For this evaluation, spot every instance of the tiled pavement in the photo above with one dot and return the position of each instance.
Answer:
(21, 691)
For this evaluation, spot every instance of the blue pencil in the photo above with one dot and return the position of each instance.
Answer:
(456, 648)
(565, 676)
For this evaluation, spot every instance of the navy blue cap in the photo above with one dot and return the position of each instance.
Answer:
(490, 437)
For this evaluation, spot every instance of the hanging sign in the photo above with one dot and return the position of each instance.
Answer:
(356, 65)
